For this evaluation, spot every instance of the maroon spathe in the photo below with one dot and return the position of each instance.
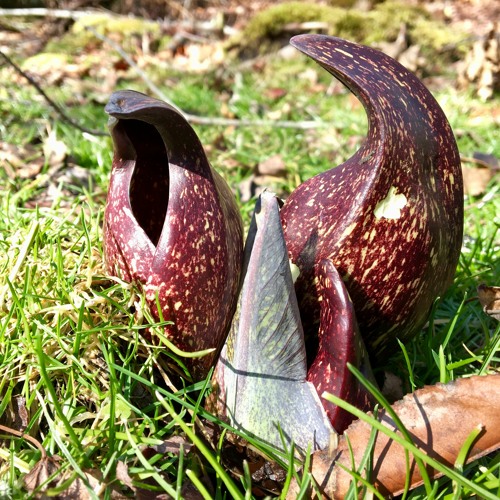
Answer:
(391, 217)
(172, 224)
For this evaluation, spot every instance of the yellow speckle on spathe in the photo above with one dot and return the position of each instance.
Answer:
(390, 207)
(364, 252)
(368, 270)
(452, 179)
(386, 300)
(348, 230)
(177, 305)
(344, 52)
(207, 224)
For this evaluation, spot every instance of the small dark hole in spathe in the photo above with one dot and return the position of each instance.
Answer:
(149, 187)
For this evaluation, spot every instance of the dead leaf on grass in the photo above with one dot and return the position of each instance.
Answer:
(477, 176)
(16, 415)
(38, 477)
(489, 296)
(123, 475)
(199, 57)
(275, 93)
(482, 65)
(476, 180)
(23, 162)
(255, 185)
(80, 488)
(268, 173)
(272, 166)
(172, 445)
(439, 419)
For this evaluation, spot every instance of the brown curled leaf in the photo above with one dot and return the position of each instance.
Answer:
(439, 419)
(489, 296)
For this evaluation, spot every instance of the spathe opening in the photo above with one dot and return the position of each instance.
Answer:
(149, 186)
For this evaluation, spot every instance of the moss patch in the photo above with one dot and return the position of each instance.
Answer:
(432, 35)
(45, 62)
(266, 30)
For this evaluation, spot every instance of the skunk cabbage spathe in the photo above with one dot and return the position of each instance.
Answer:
(390, 218)
(172, 224)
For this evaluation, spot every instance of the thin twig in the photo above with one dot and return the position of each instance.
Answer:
(204, 120)
(42, 12)
(58, 109)
(27, 437)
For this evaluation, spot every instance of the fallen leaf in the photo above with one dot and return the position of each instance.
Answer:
(87, 489)
(482, 167)
(38, 477)
(248, 189)
(122, 475)
(274, 165)
(268, 172)
(172, 445)
(439, 419)
(16, 415)
(476, 180)
(489, 296)
(481, 65)
(275, 93)
(24, 162)
(139, 493)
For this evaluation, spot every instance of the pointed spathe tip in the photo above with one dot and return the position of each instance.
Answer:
(308, 43)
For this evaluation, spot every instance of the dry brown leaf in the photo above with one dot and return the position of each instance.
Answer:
(273, 166)
(476, 180)
(79, 489)
(172, 445)
(139, 493)
(477, 176)
(439, 419)
(123, 475)
(275, 93)
(38, 476)
(482, 65)
(489, 296)
(23, 162)
(16, 415)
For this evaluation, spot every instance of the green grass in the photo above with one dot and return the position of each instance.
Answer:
(91, 389)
